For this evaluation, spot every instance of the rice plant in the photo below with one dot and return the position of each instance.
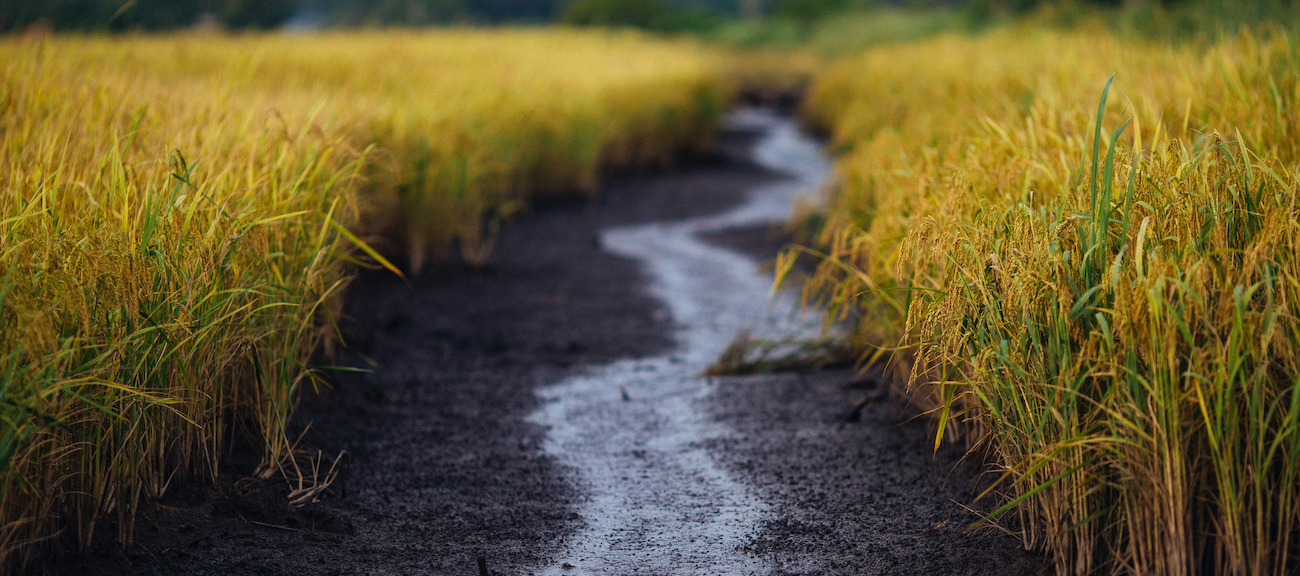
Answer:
(1098, 283)
(180, 216)
(472, 122)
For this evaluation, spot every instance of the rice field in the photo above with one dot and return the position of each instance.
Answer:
(181, 215)
(1079, 252)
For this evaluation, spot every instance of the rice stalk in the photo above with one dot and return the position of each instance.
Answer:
(1103, 289)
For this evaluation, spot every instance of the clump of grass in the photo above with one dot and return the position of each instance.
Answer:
(749, 355)
(1119, 322)
(180, 216)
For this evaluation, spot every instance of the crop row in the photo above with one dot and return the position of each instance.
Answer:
(1097, 281)
(179, 216)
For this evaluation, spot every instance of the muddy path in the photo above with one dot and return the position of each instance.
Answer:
(546, 415)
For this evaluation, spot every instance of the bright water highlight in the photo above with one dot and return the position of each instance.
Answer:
(634, 431)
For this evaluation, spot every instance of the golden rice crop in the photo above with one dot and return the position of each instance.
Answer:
(175, 214)
(472, 122)
(166, 255)
(1109, 297)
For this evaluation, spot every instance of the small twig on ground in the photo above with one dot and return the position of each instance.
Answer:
(276, 526)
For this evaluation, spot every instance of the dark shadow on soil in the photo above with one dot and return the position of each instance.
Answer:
(855, 491)
(760, 243)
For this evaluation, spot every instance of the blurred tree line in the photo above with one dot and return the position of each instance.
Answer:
(698, 16)
(142, 14)
(116, 15)
(427, 12)
(660, 15)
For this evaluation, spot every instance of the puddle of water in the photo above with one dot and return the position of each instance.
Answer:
(634, 430)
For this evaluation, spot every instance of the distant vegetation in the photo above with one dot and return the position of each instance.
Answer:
(653, 15)
(408, 13)
(170, 14)
(143, 14)
(833, 27)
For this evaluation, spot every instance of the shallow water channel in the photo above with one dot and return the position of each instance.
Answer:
(632, 432)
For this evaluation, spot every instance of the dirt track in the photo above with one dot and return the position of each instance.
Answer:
(444, 466)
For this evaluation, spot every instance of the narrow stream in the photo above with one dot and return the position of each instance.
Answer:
(634, 430)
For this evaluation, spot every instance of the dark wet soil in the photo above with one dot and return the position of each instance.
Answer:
(758, 242)
(855, 492)
(442, 469)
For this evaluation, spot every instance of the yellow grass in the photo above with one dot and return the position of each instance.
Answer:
(1114, 310)
(179, 215)
(471, 122)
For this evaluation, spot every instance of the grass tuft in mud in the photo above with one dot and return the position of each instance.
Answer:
(749, 355)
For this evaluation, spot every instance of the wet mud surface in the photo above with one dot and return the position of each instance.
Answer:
(444, 466)
(854, 494)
